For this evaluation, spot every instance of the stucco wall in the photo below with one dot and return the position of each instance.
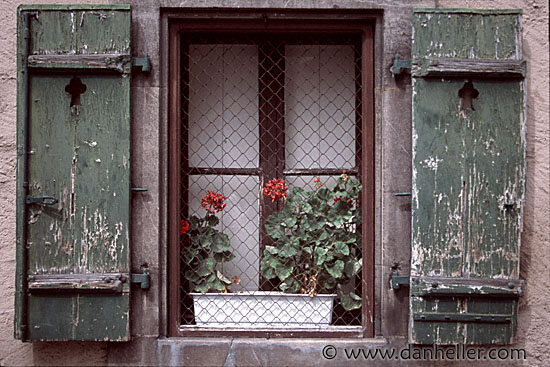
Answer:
(534, 316)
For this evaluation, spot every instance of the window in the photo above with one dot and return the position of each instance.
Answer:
(250, 106)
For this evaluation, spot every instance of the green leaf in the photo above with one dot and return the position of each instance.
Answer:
(194, 223)
(290, 285)
(295, 193)
(351, 267)
(341, 248)
(224, 256)
(205, 240)
(336, 270)
(190, 254)
(306, 208)
(192, 276)
(337, 220)
(212, 220)
(313, 224)
(320, 255)
(289, 221)
(217, 285)
(329, 284)
(350, 301)
(220, 243)
(324, 235)
(206, 267)
(325, 195)
(272, 250)
(202, 288)
(287, 251)
(267, 271)
(350, 238)
(283, 271)
(342, 207)
(274, 231)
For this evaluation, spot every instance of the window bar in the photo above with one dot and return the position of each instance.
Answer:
(186, 307)
(272, 127)
(321, 172)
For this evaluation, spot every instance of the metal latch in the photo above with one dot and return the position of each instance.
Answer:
(144, 279)
(142, 62)
(399, 65)
(42, 200)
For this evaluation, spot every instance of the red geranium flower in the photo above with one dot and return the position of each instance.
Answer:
(347, 200)
(184, 226)
(318, 183)
(344, 176)
(213, 202)
(275, 189)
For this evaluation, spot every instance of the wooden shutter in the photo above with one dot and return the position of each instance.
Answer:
(73, 172)
(468, 175)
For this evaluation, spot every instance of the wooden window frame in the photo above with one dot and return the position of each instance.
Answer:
(280, 22)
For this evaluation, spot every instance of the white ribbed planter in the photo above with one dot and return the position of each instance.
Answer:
(262, 309)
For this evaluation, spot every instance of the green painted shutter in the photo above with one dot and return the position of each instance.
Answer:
(73, 149)
(468, 175)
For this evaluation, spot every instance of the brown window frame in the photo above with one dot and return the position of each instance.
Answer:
(257, 23)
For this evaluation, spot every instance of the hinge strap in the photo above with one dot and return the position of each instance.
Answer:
(143, 280)
(463, 317)
(142, 62)
(400, 65)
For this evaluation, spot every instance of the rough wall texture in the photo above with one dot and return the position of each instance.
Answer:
(534, 316)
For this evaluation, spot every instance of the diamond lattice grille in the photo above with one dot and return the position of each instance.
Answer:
(256, 109)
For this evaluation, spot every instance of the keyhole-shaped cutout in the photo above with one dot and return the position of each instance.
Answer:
(468, 93)
(75, 88)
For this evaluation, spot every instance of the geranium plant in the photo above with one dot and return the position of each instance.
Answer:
(317, 246)
(206, 247)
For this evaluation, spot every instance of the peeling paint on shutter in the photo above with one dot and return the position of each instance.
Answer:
(468, 175)
(74, 123)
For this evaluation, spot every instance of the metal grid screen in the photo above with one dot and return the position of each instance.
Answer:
(253, 110)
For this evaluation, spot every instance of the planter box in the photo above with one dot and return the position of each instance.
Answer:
(262, 309)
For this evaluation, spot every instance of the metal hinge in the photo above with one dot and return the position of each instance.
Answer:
(42, 200)
(139, 189)
(398, 281)
(144, 279)
(400, 65)
(142, 62)
(463, 317)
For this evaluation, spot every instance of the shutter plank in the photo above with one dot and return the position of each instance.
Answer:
(80, 155)
(468, 176)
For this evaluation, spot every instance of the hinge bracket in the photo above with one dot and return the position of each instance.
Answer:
(144, 279)
(142, 62)
(399, 65)
(397, 281)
